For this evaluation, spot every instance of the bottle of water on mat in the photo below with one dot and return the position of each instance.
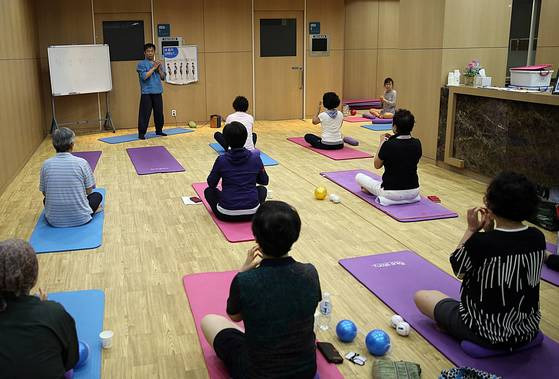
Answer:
(325, 312)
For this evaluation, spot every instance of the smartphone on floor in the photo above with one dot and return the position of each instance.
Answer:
(329, 352)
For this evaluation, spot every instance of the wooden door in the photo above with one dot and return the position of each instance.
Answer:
(278, 64)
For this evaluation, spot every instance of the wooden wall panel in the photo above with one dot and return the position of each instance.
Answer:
(331, 14)
(189, 100)
(186, 21)
(494, 60)
(419, 91)
(227, 25)
(279, 5)
(361, 24)
(19, 40)
(324, 74)
(65, 22)
(227, 75)
(360, 68)
(549, 55)
(548, 32)
(389, 20)
(477, 23)
(21, 118)
(121, 6)
(389, 65)
(421, 24)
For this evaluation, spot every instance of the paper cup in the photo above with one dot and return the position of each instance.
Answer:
(106, 337)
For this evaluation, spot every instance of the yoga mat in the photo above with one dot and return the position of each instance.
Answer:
(548, 274)
(233, 231)
(207, 293)
(420, 211)
(395, 277)
(92, 157)
(378, 127)
(134, 136)
(265, 158)
(152, 160)
(356, 119)
(359, 101)
(365, 106)
(341, 154)
(88, 310)
(48, 239)
(377, 120)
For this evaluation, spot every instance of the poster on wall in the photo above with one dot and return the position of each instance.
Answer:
(181, 64)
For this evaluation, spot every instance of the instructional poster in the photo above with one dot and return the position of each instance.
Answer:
(181, 64)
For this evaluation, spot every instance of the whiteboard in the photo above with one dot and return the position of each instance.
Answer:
(79, 69)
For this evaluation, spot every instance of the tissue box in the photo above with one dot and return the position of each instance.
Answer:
(482, 81)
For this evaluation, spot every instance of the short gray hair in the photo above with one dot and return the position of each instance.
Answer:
(63, 139)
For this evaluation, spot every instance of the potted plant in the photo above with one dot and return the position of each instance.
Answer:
(471, 71)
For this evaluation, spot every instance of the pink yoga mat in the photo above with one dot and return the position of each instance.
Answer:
(548, 274)
(395, 277)
(233, 231)
(341, 154)
(153, 160)
(207, 293)
(92, 157)
(356, 119)
(420, 211)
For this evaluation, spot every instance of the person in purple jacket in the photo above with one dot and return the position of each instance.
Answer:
(240, 170)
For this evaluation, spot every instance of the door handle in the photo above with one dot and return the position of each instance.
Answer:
(299, 68)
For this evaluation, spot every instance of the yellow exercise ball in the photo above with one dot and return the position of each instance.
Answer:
(320, 193)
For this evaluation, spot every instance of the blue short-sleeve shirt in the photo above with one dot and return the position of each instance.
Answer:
(151, 85)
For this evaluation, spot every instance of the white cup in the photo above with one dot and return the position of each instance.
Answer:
(106, 337)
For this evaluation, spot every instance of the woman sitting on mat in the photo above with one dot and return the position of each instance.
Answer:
(399, 154)
(500, 271)
(331, 122)
(276, 297)
(240, 170)
(38, 337)
(240, 105)
(388, 101)
(67, 184)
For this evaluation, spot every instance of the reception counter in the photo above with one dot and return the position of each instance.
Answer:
(489, 130)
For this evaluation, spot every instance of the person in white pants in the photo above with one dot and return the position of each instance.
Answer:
(399, 154)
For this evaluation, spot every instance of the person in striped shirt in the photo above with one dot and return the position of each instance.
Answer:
(499, 261)
(67, 184)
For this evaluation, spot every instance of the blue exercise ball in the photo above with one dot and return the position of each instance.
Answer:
(83, 353)
(346, 330)
(377, 342)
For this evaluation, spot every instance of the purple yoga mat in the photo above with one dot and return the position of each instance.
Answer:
(92, 157)
(341, 154)
(377, 120)
(420, 211)
(548, 274)
(395, 277)
(153, 160)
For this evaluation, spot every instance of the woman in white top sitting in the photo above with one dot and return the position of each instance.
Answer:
(331, 122)
(240, 105)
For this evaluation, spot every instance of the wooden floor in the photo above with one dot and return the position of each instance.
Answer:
(151, 240)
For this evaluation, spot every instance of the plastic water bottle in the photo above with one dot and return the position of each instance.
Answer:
(325, 309)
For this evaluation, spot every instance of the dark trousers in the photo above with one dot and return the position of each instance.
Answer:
(147, 103)
(212, 197)
(221, 140)
(316, 142)
(95, 199)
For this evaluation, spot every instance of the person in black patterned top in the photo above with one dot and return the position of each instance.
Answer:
(500, 270)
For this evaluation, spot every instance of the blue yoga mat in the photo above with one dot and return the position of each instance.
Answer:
(378, 127)
(48, 239)
(134, 136)
(265, 158)
(88, 310)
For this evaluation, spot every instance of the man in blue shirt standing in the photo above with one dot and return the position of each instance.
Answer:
(150, 73)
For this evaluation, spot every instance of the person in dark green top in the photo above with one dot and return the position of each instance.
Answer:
(276, 297)
(38, 337)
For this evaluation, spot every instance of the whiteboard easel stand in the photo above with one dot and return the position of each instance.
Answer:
(107, 120)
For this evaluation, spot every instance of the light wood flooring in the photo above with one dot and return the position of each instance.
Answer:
(151, 240)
